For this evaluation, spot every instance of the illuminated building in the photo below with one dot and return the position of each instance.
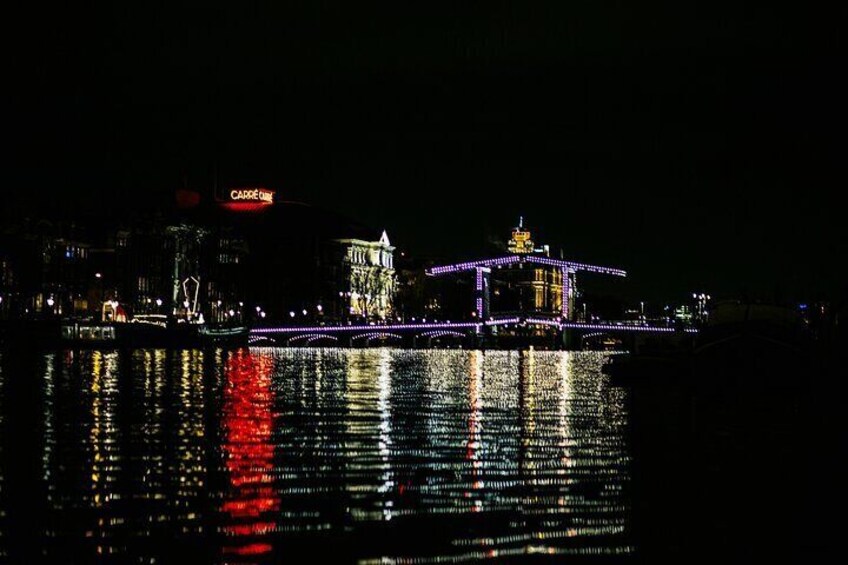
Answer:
(45, 269)
(683, 314)
(367, 281)
(530, 288)
(524, 283)
(521, 240)
(136, 266)
(241, 255)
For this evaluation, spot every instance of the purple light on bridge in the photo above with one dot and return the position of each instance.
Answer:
(442, 333)
(479, 293)
(510, 259)
(503, 321)
(374, 335)
(332, 329)
(469, 325)
(616, 327)
(570, 265)
(467, 266)
(543, 322)
(317, 337)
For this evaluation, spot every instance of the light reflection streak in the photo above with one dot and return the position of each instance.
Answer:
(525, 450)
(474, 444)
(248, 423)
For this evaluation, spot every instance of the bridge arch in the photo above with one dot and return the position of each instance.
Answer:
(319, 337)
(367, 337)
(309, 338)
(442, 333)
(261, 341)
(439, 334)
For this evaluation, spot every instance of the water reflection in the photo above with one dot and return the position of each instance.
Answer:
(269, 455)
(248, 422)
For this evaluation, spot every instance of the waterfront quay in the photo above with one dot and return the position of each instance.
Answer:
(225, 269)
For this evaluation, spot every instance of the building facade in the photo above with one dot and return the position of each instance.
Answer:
(534, 289)
(366, 281)
(235, 258)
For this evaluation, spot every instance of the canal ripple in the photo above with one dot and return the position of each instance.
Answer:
(269, 455)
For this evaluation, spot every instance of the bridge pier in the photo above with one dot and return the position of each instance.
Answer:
(481, 292)
(570, 339)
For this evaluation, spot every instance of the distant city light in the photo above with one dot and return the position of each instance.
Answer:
(97, 275)
(158, 302)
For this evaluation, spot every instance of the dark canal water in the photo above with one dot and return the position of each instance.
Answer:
(284, 455)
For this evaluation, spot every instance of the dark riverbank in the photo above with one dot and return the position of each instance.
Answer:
(737, 452)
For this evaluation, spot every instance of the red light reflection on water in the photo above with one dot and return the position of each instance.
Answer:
(248, 423)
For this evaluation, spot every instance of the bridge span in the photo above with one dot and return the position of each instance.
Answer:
(513, 330)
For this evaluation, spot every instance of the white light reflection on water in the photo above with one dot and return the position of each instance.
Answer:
(378, 454)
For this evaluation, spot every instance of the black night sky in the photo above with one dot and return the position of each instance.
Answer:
(697, 145)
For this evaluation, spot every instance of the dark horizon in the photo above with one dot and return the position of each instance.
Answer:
(696, 151)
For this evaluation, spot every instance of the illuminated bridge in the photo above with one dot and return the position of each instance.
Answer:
(465, 333)
(553, 327)
(483, 270)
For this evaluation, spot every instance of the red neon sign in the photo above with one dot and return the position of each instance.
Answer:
(248, 199)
